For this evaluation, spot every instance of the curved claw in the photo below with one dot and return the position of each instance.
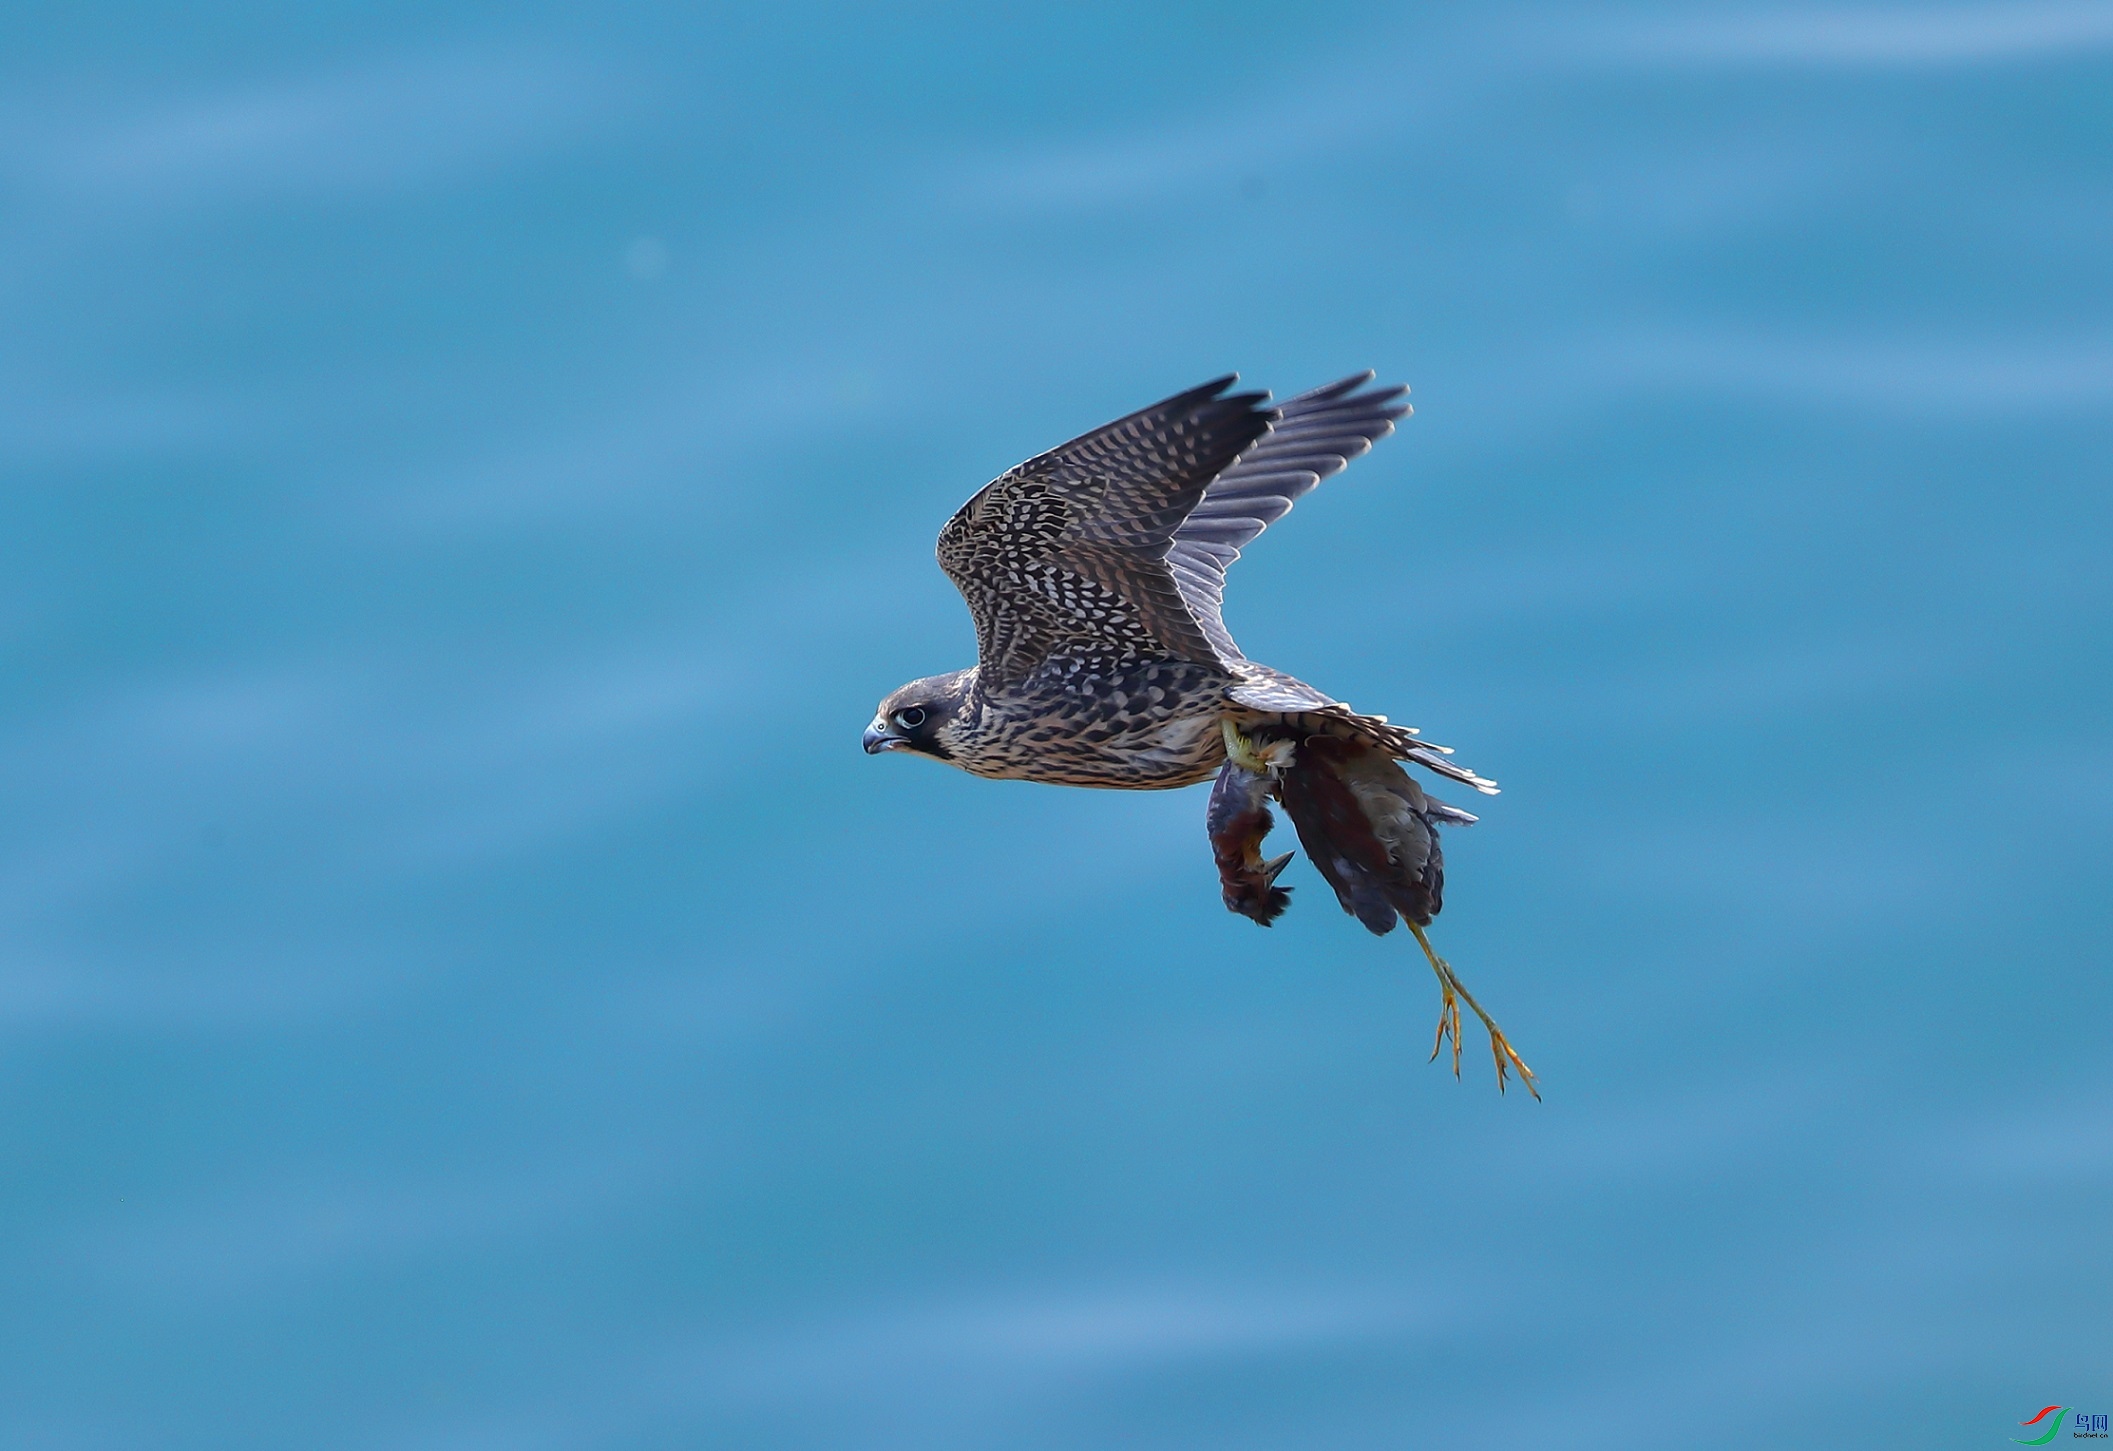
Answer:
(1449, 984)
(1448, 1023)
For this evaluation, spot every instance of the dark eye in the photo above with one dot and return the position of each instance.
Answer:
(910, 717)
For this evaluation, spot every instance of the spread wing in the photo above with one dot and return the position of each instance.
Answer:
(1310, 437)
(1070, 549)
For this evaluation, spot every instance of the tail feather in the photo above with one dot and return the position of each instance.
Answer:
(1301, 706)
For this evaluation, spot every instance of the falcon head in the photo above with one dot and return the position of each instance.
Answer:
(920, 716)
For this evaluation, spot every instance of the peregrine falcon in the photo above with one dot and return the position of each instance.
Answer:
(1096, 574)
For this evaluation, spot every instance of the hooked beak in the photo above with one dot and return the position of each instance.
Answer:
(878, 739)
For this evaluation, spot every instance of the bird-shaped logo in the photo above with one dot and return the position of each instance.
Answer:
(2047, 1435)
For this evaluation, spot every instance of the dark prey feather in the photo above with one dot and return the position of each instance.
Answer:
(1376, 841)
(1333, 829)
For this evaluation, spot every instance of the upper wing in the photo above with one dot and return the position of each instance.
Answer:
(1070, 548)
(1311, 437)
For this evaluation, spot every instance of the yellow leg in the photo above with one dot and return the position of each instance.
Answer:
(1448, 1004)
(1449, 1020)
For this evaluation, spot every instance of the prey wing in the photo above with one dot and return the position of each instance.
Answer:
(1070, 549)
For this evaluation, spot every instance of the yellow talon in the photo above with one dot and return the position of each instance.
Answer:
(1261, 760)
(1449, 1020)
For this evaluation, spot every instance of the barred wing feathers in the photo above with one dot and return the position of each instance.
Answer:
(1310, 437)
(1070, 548)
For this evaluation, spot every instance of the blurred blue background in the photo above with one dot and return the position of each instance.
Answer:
(470, 471)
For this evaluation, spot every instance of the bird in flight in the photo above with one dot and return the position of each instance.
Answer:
(1096, 575)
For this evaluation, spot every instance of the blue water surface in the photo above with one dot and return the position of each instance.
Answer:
(471, 469)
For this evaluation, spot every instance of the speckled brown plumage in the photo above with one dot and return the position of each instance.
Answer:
(1095, 574)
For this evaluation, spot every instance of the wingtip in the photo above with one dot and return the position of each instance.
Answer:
(1344, 392)
(1341, 387)
(1358, 380)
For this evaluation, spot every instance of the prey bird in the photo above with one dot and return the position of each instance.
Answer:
(1096, 575)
